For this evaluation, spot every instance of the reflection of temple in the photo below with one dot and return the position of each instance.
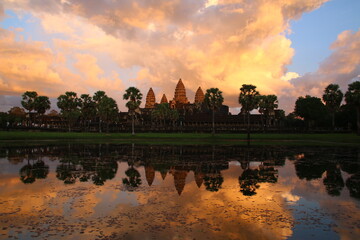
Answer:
(98, 163)
(149, 174)
(179, 178)
(199, 178)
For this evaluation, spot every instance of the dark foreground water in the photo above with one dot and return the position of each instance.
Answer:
(109, 191)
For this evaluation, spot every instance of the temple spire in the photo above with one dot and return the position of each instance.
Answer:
(163, 99)
(180, 93)
(150, 99)
(199, 95)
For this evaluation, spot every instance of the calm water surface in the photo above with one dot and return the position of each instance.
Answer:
(114, 191)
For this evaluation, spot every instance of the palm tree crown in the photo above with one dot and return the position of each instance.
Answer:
(134, 96)
(248, 97)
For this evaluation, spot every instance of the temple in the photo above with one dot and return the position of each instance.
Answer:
(180, 93)
(150, 99)
(199, 96)
(180, 101)
(194, 116)
(181, 115)
(163, 99)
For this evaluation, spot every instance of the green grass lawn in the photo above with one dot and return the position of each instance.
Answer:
(256, 138)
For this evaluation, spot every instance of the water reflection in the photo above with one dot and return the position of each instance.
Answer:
(133, 179)
(121, 191)
(250, 178)
(98, 163)
(32, 171)
(84, 167)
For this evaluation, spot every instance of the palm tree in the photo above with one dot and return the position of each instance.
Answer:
(332, 98)
(213, 99)
(248, 100)
(69, 105)
(98, 96)
(134, 96)
(41, 105)
(267, 105)
(352, 97)
(28, 99)
(161, 113)
(108, 110)
(87, 109)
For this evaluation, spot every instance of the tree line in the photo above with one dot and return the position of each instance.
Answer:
(309, 112)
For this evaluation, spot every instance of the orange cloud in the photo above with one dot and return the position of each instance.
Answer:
(220, 43)
(25, 65)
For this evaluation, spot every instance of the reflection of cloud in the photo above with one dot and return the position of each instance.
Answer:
(223, 43)
(290, 197)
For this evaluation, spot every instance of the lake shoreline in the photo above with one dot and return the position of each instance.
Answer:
(8, 137)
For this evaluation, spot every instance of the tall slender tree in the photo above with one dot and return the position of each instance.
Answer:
(28, 99)
(108, 110)
(161, 113)
(332, 97)
(41, 105)
(311, 109)
(267, 105)
(69, 105)
(98, 96)
(134, 96)
(352, 97)
(213, 99)
(248, 100)
(87, 109)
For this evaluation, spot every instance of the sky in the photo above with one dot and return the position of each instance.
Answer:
(289, 48)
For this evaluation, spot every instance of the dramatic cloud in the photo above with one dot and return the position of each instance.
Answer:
(29, 65)
(224, 44)
(25, 65)
(341, 67)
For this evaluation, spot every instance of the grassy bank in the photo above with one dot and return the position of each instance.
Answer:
(351, 139)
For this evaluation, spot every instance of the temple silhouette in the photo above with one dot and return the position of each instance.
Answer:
(194, 116)
(180, 101)
(176, 114)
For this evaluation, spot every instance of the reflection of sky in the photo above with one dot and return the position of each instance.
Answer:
(84, 209)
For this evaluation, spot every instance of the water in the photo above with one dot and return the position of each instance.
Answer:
(130, 191)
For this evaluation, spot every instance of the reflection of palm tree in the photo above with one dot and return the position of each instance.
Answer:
(65, 172)
(353, 184)
(310, 169)
(27, 174)
(333, 180)
(249, 182)
(30, 172)
(134, 179)
(213, 182)
(40, 170)
(104, 171)
(268, 174)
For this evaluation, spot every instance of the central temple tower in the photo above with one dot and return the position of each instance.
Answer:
(180, 93)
